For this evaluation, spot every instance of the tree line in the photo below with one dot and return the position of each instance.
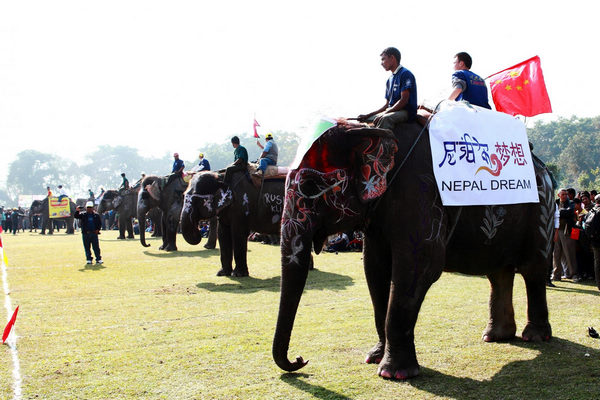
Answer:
(33, 170)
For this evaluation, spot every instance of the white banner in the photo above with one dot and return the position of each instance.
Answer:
(481, 157)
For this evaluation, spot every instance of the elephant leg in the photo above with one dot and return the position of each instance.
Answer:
(130, 234)
(165, 236)
(122, 225)
(415, 266)
(240, 252)
(538, 327)
(501, 325)
(378, 272)
(226, 247)
(172, 225)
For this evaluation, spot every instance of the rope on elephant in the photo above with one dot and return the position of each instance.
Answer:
(12, 339)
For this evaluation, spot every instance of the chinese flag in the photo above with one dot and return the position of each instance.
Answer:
(255, 125)
(520, 89)
(10, 325)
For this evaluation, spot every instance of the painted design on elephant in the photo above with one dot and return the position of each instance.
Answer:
(224, 197)
(491, 221)
(189, 198)
(245, 204)
(547, 209)
(432, 218)
(274, 202)
(378, 161)
(294, 205)
(296, 247)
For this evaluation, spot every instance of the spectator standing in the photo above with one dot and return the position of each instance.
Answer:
(90, 229)
(564, 246)
(592, 228)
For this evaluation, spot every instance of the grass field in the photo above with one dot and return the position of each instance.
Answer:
(155, 325)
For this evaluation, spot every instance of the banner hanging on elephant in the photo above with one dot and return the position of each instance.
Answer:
(481, 157)
(59, 208)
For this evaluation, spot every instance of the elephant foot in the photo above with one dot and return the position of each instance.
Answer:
(240, 272)
(121, 238)
(499, 333)
(130, 237)
(42, 233)
(375, 355)
(209, 246)
(537, 333)
(224, 272)
(396, 370)
(170, 247)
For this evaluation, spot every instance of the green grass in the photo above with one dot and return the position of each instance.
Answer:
(155, 325)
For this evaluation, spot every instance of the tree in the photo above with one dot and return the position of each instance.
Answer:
(32, 171)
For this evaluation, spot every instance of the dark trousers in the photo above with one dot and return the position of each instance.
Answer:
(596, 251)
(91, 239)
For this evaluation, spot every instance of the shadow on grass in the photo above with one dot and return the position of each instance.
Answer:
(317, 280)
(92, 267)
(204, 253)
(588, 287)
(318, 392)
(561, 370)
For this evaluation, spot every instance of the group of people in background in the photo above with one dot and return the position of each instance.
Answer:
(577, 237)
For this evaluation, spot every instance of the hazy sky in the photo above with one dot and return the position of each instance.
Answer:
(170, 76)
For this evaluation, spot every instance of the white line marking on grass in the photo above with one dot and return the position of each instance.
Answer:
(12, 338)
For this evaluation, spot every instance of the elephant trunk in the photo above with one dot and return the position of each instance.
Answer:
(295, 263)
(142, 209)
(189, 225)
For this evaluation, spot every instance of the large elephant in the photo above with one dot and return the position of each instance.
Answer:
(166, 193)
(156, 216)
(241, 207)
(124, 202)
(342, 183)
(41, 207)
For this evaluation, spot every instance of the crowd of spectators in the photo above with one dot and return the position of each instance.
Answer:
(577, 237)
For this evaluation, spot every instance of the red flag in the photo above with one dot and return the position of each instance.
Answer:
(255, 125)
(0, 239)
(521, 89)
(10, 325)
(0, 229)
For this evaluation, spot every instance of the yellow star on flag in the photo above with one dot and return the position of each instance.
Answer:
(519, 88)
(508, 87)
(498, 81)
(526, 82)
(513, 74)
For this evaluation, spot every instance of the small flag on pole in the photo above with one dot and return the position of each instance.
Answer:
(521, 89)
(10, 325)
(255, 125)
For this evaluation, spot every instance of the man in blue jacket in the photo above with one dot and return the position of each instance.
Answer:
(90, 229)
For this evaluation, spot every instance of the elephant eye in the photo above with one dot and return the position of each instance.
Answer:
(308, 188)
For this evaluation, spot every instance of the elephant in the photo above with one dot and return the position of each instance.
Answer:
(166, 193)
(41, 207)
(241, 207)
(124, 202)
(382, 183)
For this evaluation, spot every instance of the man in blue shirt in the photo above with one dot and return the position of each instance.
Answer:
(400, 94)
(467, 85)
(90, 229)
(203, 164)
(178, 165)
(269, 154)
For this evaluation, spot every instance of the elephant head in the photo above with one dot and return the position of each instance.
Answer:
(205, 197)
(343, 171)
(108, 201)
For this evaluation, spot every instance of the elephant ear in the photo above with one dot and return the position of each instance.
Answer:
(154, 190)
(222, 198)
(375, 156)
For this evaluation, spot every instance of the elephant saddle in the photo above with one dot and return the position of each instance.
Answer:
(272, 172)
